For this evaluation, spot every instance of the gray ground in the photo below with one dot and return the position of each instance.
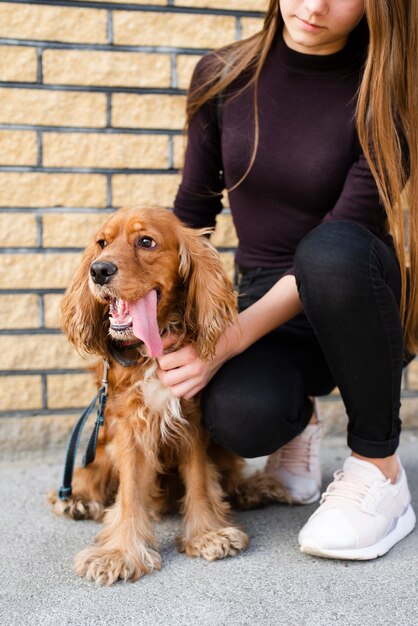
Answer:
(270, 583)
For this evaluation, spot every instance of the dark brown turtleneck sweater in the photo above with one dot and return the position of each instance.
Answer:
(309, 166)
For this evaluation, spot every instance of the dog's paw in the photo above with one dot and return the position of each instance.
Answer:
(104, 567)
(216, 544)
(258, 490)
(76, 507)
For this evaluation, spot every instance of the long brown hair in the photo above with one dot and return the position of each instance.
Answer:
(386, 118)
(389, 85)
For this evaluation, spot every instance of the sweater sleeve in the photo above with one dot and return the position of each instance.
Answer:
(199, 197)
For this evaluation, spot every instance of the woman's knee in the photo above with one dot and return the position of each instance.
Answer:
(335, 248)
(333, 264)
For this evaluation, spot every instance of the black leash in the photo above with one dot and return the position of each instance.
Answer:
(65, 490)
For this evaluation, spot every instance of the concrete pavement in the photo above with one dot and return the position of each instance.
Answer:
(271, 583)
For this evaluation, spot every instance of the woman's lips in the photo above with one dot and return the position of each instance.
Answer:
(312, 28)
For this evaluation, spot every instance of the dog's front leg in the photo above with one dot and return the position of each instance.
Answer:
(207, 530)
(124, 548)
(94, 488)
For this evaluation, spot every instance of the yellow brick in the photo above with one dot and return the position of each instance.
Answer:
(123, 69)
(413, 375)
(179, 149)
(19, 311)
(224, 235)
(18, 147)
(228, 262)
(409, 413)
(250, 26)
(71, 229)
(35, 189)
(185, 66)
(153, 2)
(52, 303)
(234, 5)
(52, 108)
(29, 352)
(172, 29)
(334, 416)
(73, 390)
(149, 111)
(18, 230)
(105, 150)
(37, 271)
(36, 435)
(144, 190)
(18, 63)
(20, 393)
(47, 23)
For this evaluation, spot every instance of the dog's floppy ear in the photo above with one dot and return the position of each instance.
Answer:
(81, 314)
(210, 300)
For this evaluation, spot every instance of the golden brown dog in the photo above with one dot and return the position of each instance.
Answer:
(142, 275)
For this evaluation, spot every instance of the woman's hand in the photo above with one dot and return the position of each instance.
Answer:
(182, 371)
(185, 374)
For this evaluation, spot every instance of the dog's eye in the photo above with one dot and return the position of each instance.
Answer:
(146, 242)
(102, 243)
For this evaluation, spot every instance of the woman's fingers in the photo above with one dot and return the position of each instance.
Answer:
(183, 372)
(176, 376)
(187, 390)
(181, 357)
(182, 383)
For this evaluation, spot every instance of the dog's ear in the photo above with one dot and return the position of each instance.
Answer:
(82, 316)
(210, 299)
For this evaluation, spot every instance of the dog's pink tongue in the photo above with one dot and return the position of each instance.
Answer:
(144, 320)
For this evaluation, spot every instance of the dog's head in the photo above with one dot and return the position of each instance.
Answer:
(141, 274)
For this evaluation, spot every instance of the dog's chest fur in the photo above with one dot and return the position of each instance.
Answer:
(160, 420)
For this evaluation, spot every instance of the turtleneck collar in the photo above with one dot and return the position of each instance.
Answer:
(351, 56)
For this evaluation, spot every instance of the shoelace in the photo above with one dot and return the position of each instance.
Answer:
(300, 452)
(351, 488)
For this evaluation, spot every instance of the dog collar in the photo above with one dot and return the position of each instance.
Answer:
(119, 358)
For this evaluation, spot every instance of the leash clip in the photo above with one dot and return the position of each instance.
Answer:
(105, 381)
(103, 393)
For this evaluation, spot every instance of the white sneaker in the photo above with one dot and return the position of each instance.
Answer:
(361, 516)
(297, 464)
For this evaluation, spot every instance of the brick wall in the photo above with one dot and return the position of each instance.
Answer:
(92, 98)
(92, 101)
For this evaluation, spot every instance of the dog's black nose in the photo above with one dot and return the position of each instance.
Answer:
(102, 272)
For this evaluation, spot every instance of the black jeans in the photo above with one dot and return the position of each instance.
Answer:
(350, 336)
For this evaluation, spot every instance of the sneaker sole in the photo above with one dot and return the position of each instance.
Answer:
(405, 525)
(314, 498)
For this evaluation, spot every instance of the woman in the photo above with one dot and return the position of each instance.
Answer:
(316, 139)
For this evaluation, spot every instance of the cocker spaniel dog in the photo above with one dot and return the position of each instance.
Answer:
(142, 275)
